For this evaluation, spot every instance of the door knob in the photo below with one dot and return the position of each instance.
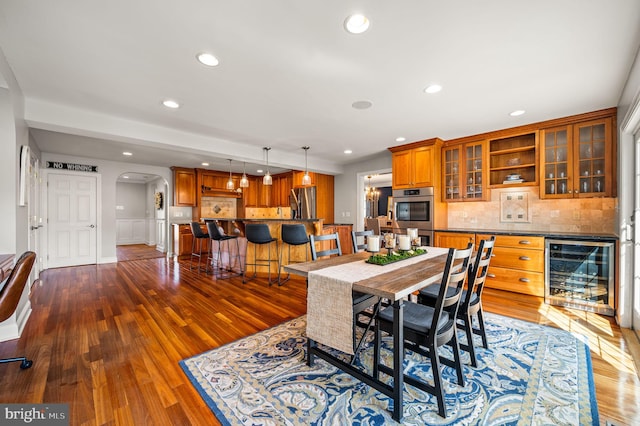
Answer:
(91, 226)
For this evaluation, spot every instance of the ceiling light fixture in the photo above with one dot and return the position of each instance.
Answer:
(266, 180)
(170, 103)
(127, 153)
(230, 185)
(244, 181)
(348, 151)
(356, 24)
(517, 112)
(371, 192)
(400, 139)
(205, 164)
(306, 179)
(433, 88)
(207, 59)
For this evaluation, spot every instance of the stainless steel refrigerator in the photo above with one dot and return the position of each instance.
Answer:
(303, 203)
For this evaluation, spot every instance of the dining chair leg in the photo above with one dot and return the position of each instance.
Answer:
(437, 381)
(310, 344)
(469, 347)
(456, 358)
(377, 335)
(481, 331)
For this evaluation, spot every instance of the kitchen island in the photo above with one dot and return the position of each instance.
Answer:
(236, 226)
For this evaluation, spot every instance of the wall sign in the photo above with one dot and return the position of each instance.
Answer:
(59, 165)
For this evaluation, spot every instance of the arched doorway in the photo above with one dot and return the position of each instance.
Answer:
(141, 216)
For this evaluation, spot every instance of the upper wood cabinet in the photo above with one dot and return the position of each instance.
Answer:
(281, 189)
(184, 187)
(211, 183)
(416, 164)
(513, 160)
(578, 160)
(463, 176)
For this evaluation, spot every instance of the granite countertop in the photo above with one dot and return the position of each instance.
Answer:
(241, 219)
(546, 234)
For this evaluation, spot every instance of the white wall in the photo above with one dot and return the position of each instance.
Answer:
(109, 171)
(131, 200)
(346, 184)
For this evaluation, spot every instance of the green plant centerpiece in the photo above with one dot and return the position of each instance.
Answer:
(394, 256)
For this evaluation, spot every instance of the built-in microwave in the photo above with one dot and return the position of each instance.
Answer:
(414, 206)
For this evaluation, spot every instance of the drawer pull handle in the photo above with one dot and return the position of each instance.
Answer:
(524, 242)
(524, 258)
(491, 275)
(524, 280)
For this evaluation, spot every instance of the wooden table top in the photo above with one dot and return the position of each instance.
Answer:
(393, 285)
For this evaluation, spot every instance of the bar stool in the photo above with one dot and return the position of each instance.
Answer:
(199, 237)
(258, 234)
(217, 264)
(292, 235)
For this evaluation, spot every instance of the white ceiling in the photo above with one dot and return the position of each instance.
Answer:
(94, 74)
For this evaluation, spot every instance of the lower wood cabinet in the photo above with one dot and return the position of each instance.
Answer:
(183, 239)
(344, 233)
(517, 264)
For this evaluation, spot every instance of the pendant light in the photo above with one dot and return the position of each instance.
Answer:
(266, 180)
(230, 185)
(244, 181)
(306, 179)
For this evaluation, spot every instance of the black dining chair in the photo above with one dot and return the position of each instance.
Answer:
(427, 328)
(12, 292)
(361, 301)
(199, 239)
(471, 303)
(216, 264)
(258, 234)
(355, 235)
(292, 235)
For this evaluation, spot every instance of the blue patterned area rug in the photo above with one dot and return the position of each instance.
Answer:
(531, 374)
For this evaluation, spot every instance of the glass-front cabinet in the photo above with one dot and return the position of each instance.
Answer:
(580, 274)
(463, 176)
(578, 160)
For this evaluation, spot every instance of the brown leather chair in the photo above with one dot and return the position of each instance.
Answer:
(11, 293)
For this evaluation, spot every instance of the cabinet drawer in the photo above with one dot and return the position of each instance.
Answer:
(527, 260)
(515, 241)
(515, 280)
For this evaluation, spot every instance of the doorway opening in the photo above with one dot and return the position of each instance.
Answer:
(141, 216)
(375, 189)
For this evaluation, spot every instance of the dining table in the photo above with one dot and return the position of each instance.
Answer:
(330, 283)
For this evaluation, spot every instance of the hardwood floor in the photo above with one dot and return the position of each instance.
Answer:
(137, 252)
(107, 340)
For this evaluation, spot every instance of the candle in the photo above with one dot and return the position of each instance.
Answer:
(412, 233)
(373, 243)
(404, 242)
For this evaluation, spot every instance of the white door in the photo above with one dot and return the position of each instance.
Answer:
(636, 239)
(71, 205)
(35, 216)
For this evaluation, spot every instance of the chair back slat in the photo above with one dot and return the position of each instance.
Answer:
(478, 272)
(355, 235)
(335, 250)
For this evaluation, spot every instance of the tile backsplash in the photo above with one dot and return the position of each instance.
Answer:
(586, 215)
(219, 207)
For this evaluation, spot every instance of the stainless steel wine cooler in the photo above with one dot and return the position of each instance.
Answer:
(580, 274)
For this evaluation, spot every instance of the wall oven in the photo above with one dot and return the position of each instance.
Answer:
(413, 208)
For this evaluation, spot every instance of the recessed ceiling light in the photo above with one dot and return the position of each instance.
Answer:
(125, 177)
(348, 151)
(516, 112)
(433, 88)
(207, 59)
(259, 171)
(362, 104)
(400, 139)
(127, 153)
(169, 103)
(356, 24)
(205, 164)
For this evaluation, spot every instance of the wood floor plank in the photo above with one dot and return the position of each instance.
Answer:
(107, 339)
